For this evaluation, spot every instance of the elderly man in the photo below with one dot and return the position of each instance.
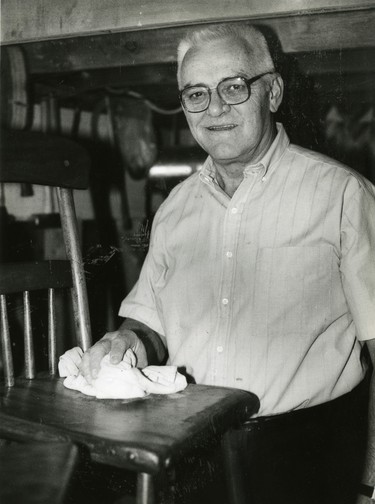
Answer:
(261, 275)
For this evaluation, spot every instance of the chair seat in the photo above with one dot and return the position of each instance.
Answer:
(146, 434)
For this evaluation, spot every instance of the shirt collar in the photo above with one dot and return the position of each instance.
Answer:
(274, 153)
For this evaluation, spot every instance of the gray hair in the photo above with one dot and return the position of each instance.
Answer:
(252, 38)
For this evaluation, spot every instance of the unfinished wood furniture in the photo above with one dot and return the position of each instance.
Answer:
(147, 435)
(36, 473)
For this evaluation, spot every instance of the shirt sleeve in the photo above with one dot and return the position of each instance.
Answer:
(358, 256)
(141, 304)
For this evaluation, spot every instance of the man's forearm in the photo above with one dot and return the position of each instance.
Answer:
(156, 351)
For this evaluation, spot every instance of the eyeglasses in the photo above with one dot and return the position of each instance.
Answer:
(231, 90)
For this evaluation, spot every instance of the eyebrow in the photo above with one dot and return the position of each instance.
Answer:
(199, 84)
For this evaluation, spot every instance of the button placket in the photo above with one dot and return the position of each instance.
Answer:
(232, 225)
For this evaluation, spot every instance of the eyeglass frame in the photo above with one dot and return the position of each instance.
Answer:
(248, 83)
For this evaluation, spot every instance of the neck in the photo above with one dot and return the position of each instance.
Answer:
(229, 180)
(230, 173)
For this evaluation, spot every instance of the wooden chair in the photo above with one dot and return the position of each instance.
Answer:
(148, 435)
(35, 158)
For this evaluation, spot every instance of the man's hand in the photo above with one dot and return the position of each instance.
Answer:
(115, 344)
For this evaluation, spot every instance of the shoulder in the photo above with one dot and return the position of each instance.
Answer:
(341, 174)
(182, 191)
(183, 188)
(178, 199)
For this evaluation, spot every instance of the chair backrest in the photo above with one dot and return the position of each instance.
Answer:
(36, 158)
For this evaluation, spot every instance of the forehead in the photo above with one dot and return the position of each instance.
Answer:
(215, 60)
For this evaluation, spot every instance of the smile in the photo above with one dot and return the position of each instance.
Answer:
(224, 127)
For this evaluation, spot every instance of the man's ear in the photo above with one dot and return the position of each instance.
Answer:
(276, 93)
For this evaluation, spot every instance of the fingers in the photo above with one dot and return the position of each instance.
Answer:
(128, 339)
(140, 351)
(118, 349)
(91, 359)
(115, 344)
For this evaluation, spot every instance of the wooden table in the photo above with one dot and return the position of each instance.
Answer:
(36, 473)
(146, 435)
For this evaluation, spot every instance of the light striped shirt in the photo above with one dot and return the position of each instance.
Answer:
(271, 290)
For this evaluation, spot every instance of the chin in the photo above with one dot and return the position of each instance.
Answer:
(223, 154)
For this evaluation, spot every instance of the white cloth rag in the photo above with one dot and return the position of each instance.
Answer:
(120, 381)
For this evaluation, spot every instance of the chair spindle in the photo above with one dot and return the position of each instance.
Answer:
(5, 343)
(52, 339)
(28, 338)
(80, 304)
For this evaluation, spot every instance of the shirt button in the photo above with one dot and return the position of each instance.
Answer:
(234, 210)
(220, 349)
(225, 301)
(229, 254)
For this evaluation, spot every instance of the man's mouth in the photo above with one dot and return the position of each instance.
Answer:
(223, 127)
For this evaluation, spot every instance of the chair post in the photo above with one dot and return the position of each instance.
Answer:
(5, 343)
(52, 339)
(28, 338)
(71, 238)
(145, 489)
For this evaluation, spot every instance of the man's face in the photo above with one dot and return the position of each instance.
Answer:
(229, 133)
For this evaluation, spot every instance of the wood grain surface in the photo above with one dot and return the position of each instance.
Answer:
(56, 19)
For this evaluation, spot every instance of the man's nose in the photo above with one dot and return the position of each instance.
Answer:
(217, 105)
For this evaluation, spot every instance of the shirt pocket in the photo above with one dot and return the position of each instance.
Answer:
(298, 289)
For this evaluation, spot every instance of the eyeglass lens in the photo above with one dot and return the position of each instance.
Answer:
(233, 91)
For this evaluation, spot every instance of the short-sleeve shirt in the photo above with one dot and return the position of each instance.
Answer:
(272, 290)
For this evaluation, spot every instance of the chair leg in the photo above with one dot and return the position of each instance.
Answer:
(231, 446)
(145, 489)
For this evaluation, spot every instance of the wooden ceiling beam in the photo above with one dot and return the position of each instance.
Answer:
(300, 33)
(54, 19)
